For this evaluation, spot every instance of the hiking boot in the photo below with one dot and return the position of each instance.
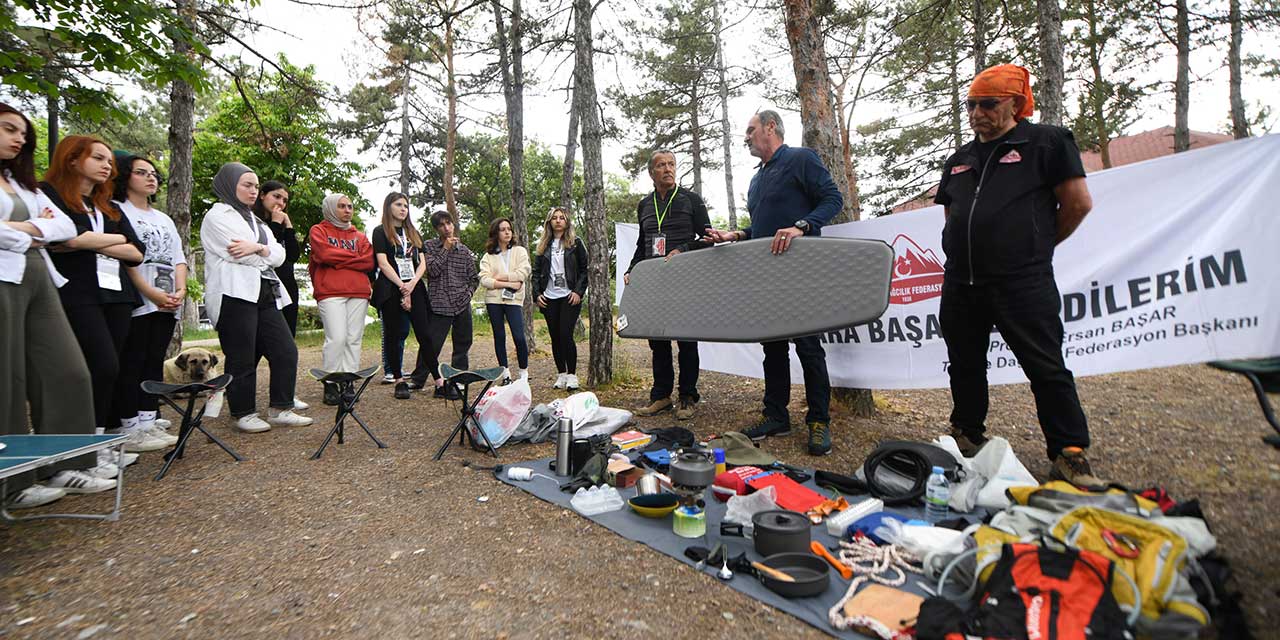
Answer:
(402, 391)
(654, 408)
(36, 495)
(448, 392)
(969, 446)
(819, 438)
(766, 429)
(331, 394)
(1072, 466)
(686, 410)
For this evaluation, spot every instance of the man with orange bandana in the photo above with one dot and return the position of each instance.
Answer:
(1009, 197)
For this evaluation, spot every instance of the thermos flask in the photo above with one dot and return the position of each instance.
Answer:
(564, 438)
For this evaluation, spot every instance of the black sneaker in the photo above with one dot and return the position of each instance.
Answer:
(819, 438)
(766, 429)
(402, 391)
(331, 394)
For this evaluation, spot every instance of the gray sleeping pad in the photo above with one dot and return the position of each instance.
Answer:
(741, 292)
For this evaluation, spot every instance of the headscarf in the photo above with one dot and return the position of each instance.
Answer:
(224, 186)
(1005, 80)
(330, 210)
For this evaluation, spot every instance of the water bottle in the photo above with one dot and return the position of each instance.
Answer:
(937, 493)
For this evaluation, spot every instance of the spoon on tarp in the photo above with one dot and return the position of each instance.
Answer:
(821, 552)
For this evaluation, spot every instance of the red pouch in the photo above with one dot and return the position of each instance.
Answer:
(792, 496)
(733, 483)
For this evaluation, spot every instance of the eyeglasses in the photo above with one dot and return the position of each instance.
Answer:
(987, 104)
(143, 173)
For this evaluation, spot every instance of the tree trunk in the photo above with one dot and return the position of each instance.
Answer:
(570, 151)
(846, 151)
(451, 134)
(724, 119)
(51, 115)
(1182, 84)
(511, 59)
(1239, 121)
(1049, 98)
(813, 84)
(182, 111)
(1096, 95)
(979, 38)
(404, 128)
(696, 143)
(600, 305)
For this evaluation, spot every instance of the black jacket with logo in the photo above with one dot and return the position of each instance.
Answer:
(575, 269)
(1003, 213)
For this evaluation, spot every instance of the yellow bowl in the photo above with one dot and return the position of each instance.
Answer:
(659, 505)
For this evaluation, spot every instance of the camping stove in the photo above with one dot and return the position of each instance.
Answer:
(692, 472)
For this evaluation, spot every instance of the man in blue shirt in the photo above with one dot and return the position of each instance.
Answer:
(791, 195)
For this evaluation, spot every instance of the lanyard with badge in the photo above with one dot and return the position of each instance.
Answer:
(658, 242)
(505, 256)
(404, 264)
(108, 267)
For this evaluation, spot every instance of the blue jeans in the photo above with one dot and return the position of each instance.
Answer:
(513, 315)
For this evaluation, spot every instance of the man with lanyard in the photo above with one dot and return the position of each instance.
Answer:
(671, 221)
(791, 195)
(999, 269)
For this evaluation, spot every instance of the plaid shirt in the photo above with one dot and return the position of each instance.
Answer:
(452, 277)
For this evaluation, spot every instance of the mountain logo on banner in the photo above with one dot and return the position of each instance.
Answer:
(917, 272)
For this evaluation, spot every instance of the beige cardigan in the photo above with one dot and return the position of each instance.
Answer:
(493, 269)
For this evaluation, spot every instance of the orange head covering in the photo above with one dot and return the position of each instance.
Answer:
(1005, 80)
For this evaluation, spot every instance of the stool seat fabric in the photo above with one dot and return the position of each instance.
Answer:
(156, 387)
(458, 376)
(339, 377)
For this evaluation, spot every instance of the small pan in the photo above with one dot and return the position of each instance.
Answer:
(811, 574)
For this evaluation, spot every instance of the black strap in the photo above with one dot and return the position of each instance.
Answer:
(918, 463)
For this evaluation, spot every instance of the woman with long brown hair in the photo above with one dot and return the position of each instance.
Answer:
(40, 363)
(99, 297)
(504, 268)
(400, 292)
(560, 281)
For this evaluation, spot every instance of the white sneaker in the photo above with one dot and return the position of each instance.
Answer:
(104, 470)
(252, 424)
(159, 434)
(163, 424)
(73, 481)
(571, 382)
(522, 374)
(36, 495)
(386, 379)
(122, 460)
(141, 441)
(506, 376)
(288, 418)
(560, 381)
(299, 405)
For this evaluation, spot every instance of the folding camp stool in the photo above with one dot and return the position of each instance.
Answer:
(464, 380)
(1264, 375)
(191, 418)
(348, 397)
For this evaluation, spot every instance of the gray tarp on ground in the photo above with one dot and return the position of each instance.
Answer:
(656, 533)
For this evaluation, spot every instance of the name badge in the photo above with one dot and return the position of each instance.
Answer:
(658, 245)
(508, 294)
(109, 273)
(405, 266)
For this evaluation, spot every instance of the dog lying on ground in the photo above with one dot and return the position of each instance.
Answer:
(192, 365)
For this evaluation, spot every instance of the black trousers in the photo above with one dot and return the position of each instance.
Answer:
(143, 359)
(101, 331)
(395, 328)
(1025, 311)
(561, 319)
(438, 328)
(664, 375)
(777, 379)
(290, 314)
(248, 332)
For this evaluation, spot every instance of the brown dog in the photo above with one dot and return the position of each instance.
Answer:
(191, 365)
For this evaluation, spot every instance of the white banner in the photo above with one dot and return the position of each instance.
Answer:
(1178, 263)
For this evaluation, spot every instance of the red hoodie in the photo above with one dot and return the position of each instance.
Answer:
(341, 260)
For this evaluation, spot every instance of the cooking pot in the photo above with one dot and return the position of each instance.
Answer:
(774, 531)
(810, 575)
(693, 470)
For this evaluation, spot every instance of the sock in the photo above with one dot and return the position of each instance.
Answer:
(128, 424)
(147, 416)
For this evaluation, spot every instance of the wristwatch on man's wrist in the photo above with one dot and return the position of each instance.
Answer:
(803, 226)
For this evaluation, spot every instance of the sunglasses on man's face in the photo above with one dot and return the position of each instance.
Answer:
(987, 104)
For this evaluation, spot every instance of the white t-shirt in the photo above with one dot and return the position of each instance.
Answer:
(163, 246)
(554, 292)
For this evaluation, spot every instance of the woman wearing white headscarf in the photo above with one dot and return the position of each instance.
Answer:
(243, 297)
(341, 259)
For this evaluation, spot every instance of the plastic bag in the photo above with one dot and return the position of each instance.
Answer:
(741, 508)
(580, 408)
(987, 475)
(605, 421)
(920, 540)
(500, 411)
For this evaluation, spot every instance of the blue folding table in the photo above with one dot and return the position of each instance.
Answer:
(22, 453)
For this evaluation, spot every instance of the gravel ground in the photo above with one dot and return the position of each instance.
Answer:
(387, 543)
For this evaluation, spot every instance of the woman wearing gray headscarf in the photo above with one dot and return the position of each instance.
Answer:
(341, 259)
(243, 297)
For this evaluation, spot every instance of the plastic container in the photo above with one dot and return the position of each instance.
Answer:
(598, 499)
(937, 493)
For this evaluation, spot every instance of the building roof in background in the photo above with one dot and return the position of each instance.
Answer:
(1124, 150)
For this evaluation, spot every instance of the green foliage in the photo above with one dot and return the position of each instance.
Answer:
(282, 132)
